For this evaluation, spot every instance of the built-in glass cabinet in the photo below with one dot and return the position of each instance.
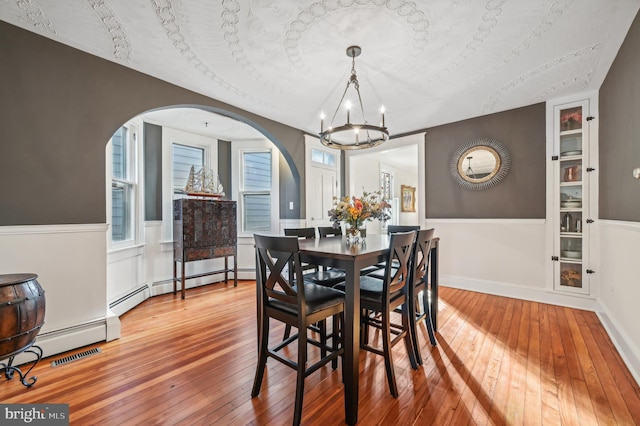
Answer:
(571, 197)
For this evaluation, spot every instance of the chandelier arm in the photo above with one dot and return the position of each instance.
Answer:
(339, 103)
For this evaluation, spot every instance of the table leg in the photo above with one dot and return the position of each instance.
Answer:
(183, 290)
(235, 270)
(351, 336)
(175, 275)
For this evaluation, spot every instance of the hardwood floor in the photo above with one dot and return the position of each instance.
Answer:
(191, 362)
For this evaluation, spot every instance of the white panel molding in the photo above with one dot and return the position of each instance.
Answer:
(620, 224)
(540, 295)
(430, 221)
(52, 229)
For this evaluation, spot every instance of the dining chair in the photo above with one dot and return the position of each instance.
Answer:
(323, 276)
(379, 298)
(418, 286)
(329, 231)
(316, 275)
(378, 271)
(391, 229)
(297, 304)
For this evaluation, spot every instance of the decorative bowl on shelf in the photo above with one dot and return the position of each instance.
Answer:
(570, 153)
(571, 254)
(571, 204)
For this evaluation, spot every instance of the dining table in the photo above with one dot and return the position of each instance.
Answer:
(337, 252)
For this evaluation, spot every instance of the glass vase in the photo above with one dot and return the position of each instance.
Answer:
(353, 233)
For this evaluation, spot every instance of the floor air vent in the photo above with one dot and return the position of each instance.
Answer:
(70, 358)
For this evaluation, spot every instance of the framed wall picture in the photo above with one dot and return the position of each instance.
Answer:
(408, 198)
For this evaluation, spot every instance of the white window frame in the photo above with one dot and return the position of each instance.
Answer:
(132, 182)
(238, 149)
(206, 154)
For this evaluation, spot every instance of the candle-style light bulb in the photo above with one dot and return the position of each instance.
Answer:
(382, 112)
(347, 105)
(321, 121)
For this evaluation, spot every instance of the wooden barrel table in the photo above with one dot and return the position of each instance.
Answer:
(22, 309)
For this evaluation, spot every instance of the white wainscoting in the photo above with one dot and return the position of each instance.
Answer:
(70, 261)
(620, 288)
(506, 257)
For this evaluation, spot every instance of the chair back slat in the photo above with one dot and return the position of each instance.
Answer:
(392, 229)
(300, 232)
(422, 248)
(400, 250)
(329, 231)
(279, 267)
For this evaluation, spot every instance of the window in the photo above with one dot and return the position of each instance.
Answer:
(255, 191)
(123, 186)
(323, 157)
(183, 158)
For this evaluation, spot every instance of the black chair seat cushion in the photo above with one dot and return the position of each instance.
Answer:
(328, 278)
(317, 297)
(369, 269)
(379, 273)
(370, 289)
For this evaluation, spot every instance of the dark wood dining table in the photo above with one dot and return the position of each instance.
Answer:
(335, 252)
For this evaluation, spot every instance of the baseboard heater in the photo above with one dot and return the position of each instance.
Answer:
(128, 296)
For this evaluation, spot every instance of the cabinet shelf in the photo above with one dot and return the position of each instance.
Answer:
(570, 132)
(571, 183)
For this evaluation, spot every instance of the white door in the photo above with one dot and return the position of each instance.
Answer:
(322, 181)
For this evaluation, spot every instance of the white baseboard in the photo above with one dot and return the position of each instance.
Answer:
(77, 336)
(166, 286)
(130, 300)
(628, 352)
(540, 295)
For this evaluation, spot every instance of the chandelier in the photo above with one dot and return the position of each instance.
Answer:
(353, 135)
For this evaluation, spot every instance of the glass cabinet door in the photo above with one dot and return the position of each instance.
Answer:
(571, 135)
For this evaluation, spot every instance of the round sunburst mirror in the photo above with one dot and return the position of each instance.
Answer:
(480, 164)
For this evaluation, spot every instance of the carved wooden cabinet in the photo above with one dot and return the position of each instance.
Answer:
(204, 229)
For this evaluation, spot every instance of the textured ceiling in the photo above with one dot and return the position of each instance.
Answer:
(428, 62)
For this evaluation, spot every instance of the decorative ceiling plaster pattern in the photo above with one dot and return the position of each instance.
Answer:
(415, 18)
(429, 62)
(547, 22)
(579, 83)
(35, 16)
(121, 45)
(493, 9)
(164, 12)
(490, 104)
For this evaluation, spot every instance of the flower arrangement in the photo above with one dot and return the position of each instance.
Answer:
(355, 211)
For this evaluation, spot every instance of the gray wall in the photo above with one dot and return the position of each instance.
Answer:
(522, 192)
(152, 150)
(619, 138)
(59, 107)
(224, 166)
